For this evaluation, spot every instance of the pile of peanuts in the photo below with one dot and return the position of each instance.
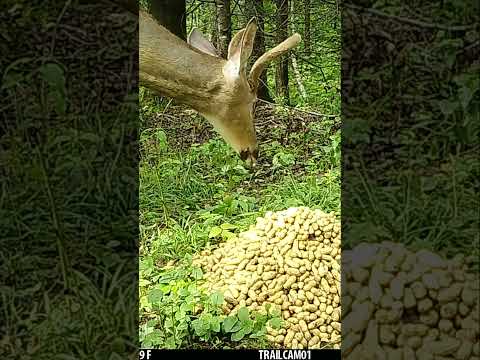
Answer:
(291, 260)
(399, 304)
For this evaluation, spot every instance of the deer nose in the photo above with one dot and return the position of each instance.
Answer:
(249, 157)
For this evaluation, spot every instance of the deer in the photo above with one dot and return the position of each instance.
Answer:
(194, 74)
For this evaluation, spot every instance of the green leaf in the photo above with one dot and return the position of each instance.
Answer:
(180, 315)
(152, 323)
(231, 324)
(166, 288)
(197, 273)
(228, 226)
(168, 324)
(268, 306)
(214, 232)
(200, 327)
(155, 296)
(170, 343)
(227, 234)
(53, 75)
(260, 319)
(154, 337)
(183, 292)
(206, 317)
(258, 334)
(146, 264)
(247, 326)
(276, 323)
(239, 335)
(243, 314)
(215, 324)
(182, 325)
(144, 282)
(186, 307)
(216, 298)
(193, 290)
(161, 139)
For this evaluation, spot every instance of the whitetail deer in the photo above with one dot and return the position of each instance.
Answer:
(194, 74)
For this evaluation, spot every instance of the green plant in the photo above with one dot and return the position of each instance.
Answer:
(178, 313)
(223, 231)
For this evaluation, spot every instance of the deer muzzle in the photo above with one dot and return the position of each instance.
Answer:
(249, 157)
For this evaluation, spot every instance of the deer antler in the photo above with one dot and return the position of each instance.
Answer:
(270, 55)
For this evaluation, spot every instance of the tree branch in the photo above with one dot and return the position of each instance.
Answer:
(299, 110)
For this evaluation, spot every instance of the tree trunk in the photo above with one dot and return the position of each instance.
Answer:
(281, 78)
(224, 26)
(214, 31)
(255, 9)
(306, 31)
(171, 14)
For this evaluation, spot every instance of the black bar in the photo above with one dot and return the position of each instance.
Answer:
(277, 354)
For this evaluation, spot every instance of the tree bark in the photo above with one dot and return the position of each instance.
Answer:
(171, 14)
(281, 78)
(306, 31)
(224, 26)
(255, 9)
(214, 25)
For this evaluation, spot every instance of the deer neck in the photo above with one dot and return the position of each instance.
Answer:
(174, 69)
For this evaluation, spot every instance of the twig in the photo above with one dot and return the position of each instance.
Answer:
(167, 106)
(59, 18)
(296, 73)
(270, 120)
(295, 109)
(416, 22)
(75, 38)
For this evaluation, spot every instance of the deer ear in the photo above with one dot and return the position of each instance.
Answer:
(235, 43)
(200, 42)
(241, 47)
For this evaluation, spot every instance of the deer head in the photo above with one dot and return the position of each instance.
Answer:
(194, 74)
